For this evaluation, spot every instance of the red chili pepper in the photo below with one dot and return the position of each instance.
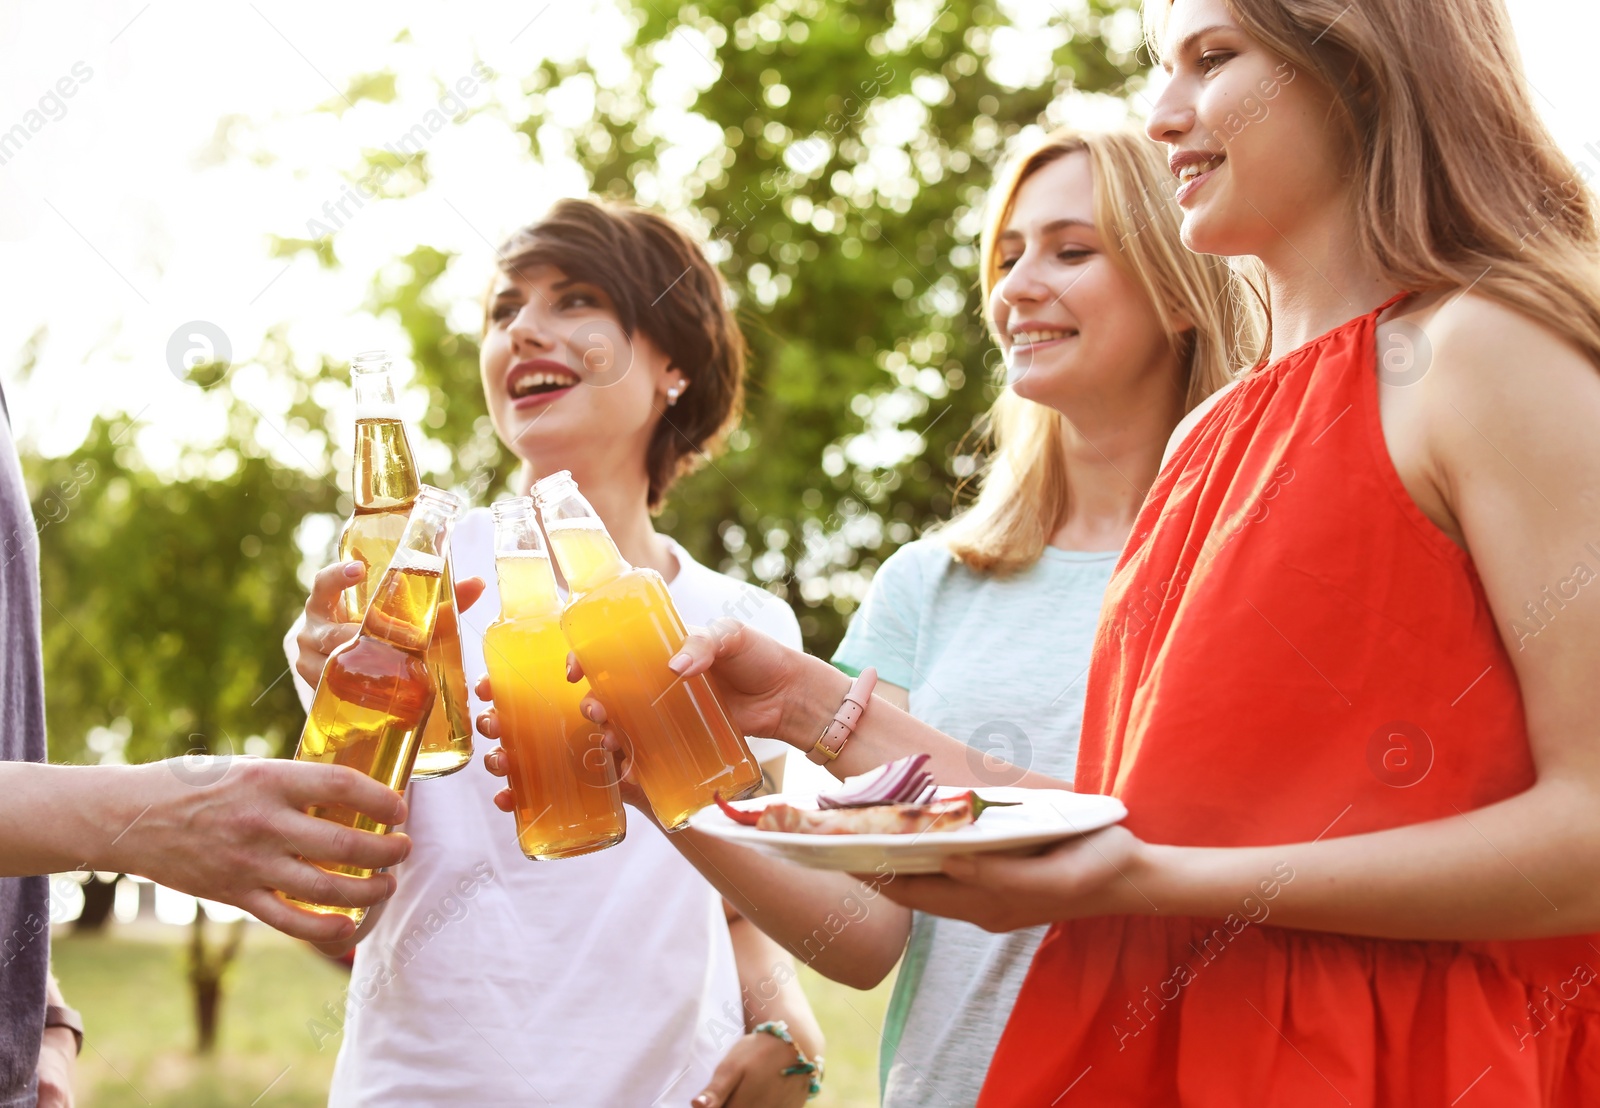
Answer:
(746, 819)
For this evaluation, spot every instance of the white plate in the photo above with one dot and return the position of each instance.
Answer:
(1044, 816)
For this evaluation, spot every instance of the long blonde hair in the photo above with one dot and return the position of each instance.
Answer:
(1022, 497)
(1459, 184)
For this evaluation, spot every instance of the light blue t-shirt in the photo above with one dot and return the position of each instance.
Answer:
(1000, 663)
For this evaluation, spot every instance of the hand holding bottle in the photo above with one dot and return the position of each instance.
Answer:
(327, 625)
(498, 763)
(769, 690)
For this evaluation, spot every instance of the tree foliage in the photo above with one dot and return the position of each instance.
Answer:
(850, 147)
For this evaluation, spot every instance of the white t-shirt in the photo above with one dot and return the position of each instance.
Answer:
(490, 979)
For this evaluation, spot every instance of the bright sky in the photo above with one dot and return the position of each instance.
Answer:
(115, 228)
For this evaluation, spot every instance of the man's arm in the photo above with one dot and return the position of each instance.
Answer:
(238, 835)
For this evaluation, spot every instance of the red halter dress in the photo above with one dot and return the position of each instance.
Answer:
(1290, 650)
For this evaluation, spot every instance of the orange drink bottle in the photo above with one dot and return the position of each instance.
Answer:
(376, 690)
(621, 623)
(562, 780)
(383, 486)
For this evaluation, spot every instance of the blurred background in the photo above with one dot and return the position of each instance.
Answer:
(235, 197)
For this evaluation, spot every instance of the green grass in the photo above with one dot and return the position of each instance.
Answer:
(140, 1048)
(851, 1021)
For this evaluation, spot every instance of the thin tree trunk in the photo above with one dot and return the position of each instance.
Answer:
(207, 968)
(99, 897)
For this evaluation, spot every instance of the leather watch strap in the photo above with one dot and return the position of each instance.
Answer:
(838, 732)
(57, 1016)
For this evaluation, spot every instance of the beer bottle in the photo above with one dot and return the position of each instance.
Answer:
(384, 484)
(563, 781)
(376, 689)
(621, 623)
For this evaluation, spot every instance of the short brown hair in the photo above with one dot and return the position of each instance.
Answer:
(661, 283)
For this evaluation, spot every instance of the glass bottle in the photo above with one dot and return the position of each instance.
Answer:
(621, 623)
(563, 781)
(376, 689)
(384, 484)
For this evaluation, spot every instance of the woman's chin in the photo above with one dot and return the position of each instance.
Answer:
(1210, 229)
(1040, 384)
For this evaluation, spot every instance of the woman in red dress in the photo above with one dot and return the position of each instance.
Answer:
(1346, 676)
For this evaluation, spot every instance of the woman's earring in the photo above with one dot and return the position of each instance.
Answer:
(673, 392)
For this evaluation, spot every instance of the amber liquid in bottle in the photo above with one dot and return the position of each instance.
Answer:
(385, 486)
(621, 623)
(563, 781)
(374, 694)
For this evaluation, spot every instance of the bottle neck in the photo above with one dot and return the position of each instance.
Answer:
(383, 474)
(527, 586)
(586, 554)
(374, 389)
(406, 601)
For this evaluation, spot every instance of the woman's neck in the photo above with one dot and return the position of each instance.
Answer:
(1113, 454)
(1318, 277)
(622, 506)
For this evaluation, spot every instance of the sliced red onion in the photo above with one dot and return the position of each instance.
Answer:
(902, 781)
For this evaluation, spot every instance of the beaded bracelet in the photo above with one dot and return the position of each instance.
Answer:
(779, 1029)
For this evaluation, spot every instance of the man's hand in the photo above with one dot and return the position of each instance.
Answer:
(239, 833)
(58, 1062)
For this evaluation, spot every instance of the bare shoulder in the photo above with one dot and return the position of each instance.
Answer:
(1500, 404)
(1478, 349)
(1187, 423)
(1479, 400)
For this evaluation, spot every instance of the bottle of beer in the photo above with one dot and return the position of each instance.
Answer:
(563, 781)
(621, 623)
(384, 484)
(376, 689)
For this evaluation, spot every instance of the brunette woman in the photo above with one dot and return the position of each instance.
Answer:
(616, 977)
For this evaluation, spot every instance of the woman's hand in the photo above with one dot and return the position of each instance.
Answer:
(751, 1075)
(766, 687)
(497, 762)
(327, 624)
(1093, 875)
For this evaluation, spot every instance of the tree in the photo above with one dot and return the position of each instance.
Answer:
(166, 596)
(208, 966)
(842, 197)
(844, 204)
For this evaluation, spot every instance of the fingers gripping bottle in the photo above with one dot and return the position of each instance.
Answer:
(622, 625)
(376, 689)
(384, 485)
(562, 779)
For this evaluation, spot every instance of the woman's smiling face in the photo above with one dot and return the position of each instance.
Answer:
(1071, 321)
(561, 374)
(1252, 143)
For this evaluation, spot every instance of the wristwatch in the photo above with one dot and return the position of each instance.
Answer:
(57, 1016)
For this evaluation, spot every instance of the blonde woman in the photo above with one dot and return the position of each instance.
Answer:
(1110, 331)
